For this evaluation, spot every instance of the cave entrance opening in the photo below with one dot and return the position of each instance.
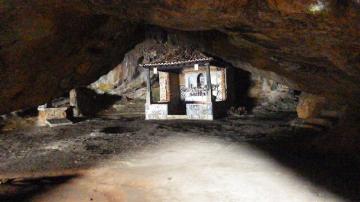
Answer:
(191, 89)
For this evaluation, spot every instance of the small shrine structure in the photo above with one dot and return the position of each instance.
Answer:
(188, 89)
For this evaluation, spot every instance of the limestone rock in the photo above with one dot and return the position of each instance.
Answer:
(46, 114)
(310, 106)
(128, 77)
(48, 47)
(271, 95)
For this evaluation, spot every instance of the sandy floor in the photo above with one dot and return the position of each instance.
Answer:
(243, 159)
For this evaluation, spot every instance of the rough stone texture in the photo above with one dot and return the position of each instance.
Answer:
(48, 47)
(51, 113)
(128, 78)
(271, 95)
(310, 106)
(52, 46)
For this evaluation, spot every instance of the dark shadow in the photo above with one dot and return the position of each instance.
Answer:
(21, 190)
(29, 112)
(90, 103)
(2, 124)
(289, 146)
(238, 83)
(337, 173)
(243, 83)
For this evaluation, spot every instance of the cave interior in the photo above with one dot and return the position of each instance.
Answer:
(180, 101)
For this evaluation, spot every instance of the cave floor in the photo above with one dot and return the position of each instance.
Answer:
(253, 158)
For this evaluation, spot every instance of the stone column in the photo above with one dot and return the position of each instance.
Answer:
(164, 86)
(148, 86)
(208, 80)
(73, 103)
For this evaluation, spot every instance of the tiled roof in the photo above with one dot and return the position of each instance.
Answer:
(183, 62)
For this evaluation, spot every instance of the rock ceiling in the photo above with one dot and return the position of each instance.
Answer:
(50, 46)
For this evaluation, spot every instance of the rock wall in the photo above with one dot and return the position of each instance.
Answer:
(128, 78)
(310, 106)
(48, 47)
(271, 95)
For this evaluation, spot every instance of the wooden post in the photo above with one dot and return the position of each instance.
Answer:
(208, 79)
(148, 87)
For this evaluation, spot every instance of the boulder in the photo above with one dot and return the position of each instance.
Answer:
(310, 106)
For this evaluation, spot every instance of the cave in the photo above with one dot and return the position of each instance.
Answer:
(179, 100)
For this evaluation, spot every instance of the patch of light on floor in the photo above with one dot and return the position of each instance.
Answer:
(194, 169)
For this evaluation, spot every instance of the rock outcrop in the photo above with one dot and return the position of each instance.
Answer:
(48, 47)
(129, 79)
(310, 106)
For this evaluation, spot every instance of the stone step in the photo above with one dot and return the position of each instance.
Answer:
(58, 122)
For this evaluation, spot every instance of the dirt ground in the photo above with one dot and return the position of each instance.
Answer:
(249, 158)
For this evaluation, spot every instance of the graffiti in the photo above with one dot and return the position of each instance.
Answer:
(193, 94)
(192, 91)
(198, 111)
(183, 92)
(201, 92)
(195, 88)
(156, 111)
